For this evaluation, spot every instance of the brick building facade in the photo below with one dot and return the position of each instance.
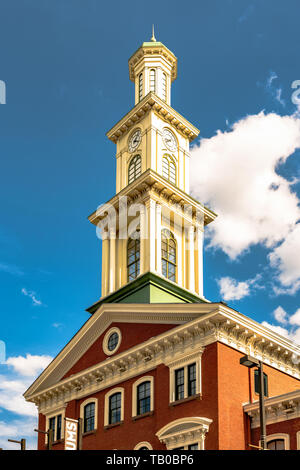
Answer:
(157, 365)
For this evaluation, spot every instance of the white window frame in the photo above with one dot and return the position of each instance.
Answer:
(53, 414)
(272, 437)
(106, 405)
(106, 338)
(143, 444)
(184, 362)
(145, 378)
(81, 412)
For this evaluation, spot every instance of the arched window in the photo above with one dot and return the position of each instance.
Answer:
(168, 254)
(89, 417)
(133, 259)
(143, 398)
(164, 87)
(140, 86)
(153, 80)
(135, 168)
(115, 408)
(276, 444)
(169, 168)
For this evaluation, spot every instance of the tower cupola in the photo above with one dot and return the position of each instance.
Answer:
(152, 68)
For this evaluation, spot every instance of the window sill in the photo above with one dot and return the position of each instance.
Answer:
(59, 441)
(109, 426)
(144, 415)
(89, 433)
(185, 400)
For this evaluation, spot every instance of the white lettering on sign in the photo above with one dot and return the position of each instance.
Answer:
(71, 434)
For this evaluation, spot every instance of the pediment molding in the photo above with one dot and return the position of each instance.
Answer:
(198, 326)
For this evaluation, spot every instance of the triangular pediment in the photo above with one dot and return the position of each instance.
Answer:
(96, 325)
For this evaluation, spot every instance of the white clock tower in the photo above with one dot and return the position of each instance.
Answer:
(153, 250)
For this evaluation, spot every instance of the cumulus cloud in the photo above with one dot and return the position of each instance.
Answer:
(32, 295)
(231, 289)
(284, 258)
(278, 329)
(280, 315)
(292, 324)
(17, 375)
(30, 365)
(234, 173)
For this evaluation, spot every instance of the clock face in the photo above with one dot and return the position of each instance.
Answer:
(134, 140)
(169, 140)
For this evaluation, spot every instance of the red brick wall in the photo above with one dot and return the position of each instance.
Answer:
(291, 427)
(132, 334)
(235, 387)
(226, 385)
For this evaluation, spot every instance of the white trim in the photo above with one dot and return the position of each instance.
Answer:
(143, 444)
(55, 413)
(145, 378)
(198, 324)
(298, 440)
(106, 338)
(81, 413)
(285, 437)
(183, 362)
(184, 432)
(106, 404)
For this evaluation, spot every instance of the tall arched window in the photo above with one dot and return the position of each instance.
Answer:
(168, 254)
(164, 87)
(135, 168)
(169, 168)
(115, 408)
(140, 86)
(133, 259)
(143, 398)
(89, 417)
(153, 80)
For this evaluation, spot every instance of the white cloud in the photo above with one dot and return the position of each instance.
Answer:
(17, 429)
(17, 375)
(11, 269)
(286, 261)
(32, 295)
(295, 319)
(292, 322)
(30, 365)
(234, 172)
(231, 289)
(280, 315)
(278, 329)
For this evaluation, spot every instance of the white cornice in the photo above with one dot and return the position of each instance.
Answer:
(280, 408)
(152, 102)
(151, 184)
(213, 322)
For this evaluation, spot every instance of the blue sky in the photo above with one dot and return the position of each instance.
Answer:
(65, 66)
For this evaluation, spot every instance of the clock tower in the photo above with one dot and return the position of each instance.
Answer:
(152, 229)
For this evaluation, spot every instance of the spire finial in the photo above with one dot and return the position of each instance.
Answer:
(153, 37)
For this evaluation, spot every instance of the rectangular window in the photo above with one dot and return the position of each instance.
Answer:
(257, 384)
(55, 423)
(58, 427)
(179, 384)
(192, 379)
(193, 447)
